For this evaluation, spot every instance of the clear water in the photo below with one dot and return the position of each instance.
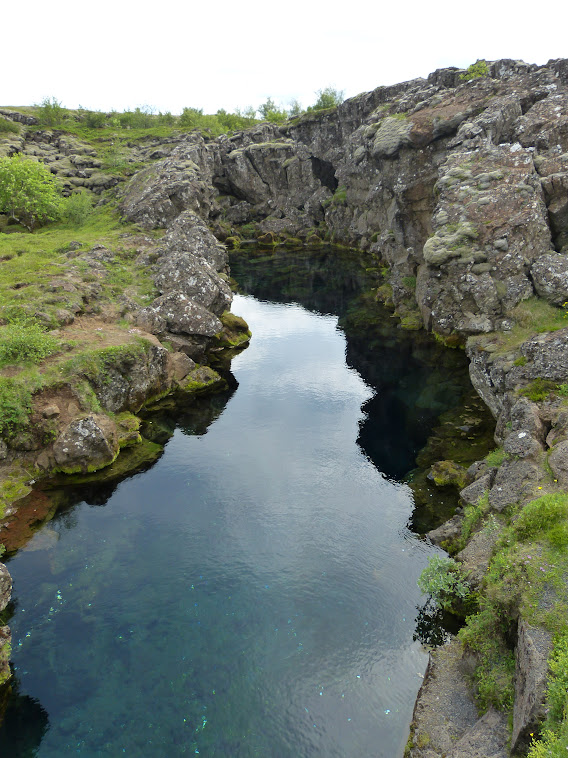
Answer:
(252, 594)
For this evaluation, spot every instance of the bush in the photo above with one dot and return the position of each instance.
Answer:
(327, 98)
(8, 126)
(29, 192)
(95, 119)
(50, 112)
(475, 71)
(443, 581)
(77, 208)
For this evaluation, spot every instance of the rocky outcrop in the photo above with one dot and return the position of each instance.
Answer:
(5, 636)
(459, 185)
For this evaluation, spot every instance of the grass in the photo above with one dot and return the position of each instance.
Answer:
(22, 343)
(496, 457)
(539, 389)
(526, 577)
(531, 316)
(30, 262)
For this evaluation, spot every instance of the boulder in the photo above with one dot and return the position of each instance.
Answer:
(487, 738)
(515, 480)
(176, 313)
(522, 444)
(86, 444)
(558, 462)
(550, 277)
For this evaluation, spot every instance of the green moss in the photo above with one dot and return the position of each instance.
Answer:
(202, 380)
(412, 321)
(496, 457)
(13, 486)
(539, 389)
(130, 460)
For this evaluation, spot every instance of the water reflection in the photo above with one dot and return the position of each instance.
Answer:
(414, 379)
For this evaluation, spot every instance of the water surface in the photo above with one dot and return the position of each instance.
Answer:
(252, 594)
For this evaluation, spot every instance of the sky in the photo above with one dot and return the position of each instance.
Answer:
(119, 55)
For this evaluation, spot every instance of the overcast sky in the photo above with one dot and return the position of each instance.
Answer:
(118, 54)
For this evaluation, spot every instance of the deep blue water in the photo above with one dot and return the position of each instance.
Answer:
(252, 594)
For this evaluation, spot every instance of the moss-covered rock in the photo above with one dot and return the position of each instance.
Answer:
(448, 474)
(202, 380)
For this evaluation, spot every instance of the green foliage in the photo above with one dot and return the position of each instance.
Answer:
(473, 514)
(483, 634)
(409, 282)
(139, 118)
(50, 112)
(190, 117)
(553, 745)
(25, 342)
(539, 389)
(555, 732)
(95, 119)
(544, 519)
(8, 126)
(475, 71)
(340, 196)
(77, 208)
(558, 682)
(15, 405)
(327, 98)
(220, 123)
(443, 581)
(269, 111)
(29, 192)
(496, 457)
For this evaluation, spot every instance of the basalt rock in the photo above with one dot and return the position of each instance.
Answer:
(87, 444)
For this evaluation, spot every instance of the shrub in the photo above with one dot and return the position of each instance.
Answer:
(327, 98)
(29, 192)
(77, 208)
(95, 119)
(50, 112)
(544, 518)
(443, 581)
(475, 71)
(8, 126)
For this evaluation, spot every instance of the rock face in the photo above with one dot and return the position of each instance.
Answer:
(459, 185)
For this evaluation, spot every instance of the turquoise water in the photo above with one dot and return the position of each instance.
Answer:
(252, 594)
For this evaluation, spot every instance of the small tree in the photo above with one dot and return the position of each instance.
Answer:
(50, 112)
(327, 98)
(269, 111)
(475, 71)
(29, 192)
